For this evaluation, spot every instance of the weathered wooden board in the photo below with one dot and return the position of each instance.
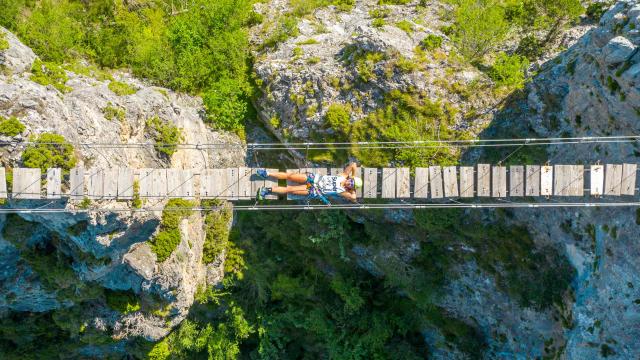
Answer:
(146, 184)
(321, 171)
(484, 180)
(532, 181)
(95, 184)
(271, 182)
(516, 180)
(26, 183)
(180, 183)
(421, 183)
(110, 185)
(370, 179)
(256, 182)
(389, 183)
(206, 184)
(159, 183)
(76, 183)
(231, 184)
(125, 183)
(629, 179)
(435, 180)
(596, 175)
(450, 178)
(568, 180)
(360, 191)
(54, 183)
(546, 180)
(499, 181)
(244, 183)
(336, 171)
(612, 179)
(3, 184)
(467, 177)
(403, 183)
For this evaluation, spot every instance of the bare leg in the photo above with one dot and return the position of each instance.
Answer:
(296, 190)
(299, 178)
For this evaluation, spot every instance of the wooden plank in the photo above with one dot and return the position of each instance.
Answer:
(568, 180)
(629, 179)
(244, 183)
(532, 181)
(3, 184)
(231, 184)
(76, 183)
(389, 183)
(95, 185)
(499, 181)
(403, 183)
(336, 171)
(145, 182)
(546, 180)
(484, 180)
(596, 176)
(179, 183)
(612, 179)
(450, 178)
(516, 180)
(435, 181)
(125, 183)
(26, 183)
(256, 182)
(321, 171)
(370, 179)
(207, 190)
(271, 182)
(159, 183)
(54, 183)
(467, 178)
(110, 183)
(421, 183)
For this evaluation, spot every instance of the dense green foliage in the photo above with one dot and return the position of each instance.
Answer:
(165, 135)
(112, 112)
(121, 89)
(338, 118)
(508, 71)
(47, 73)
(4, 44)
(431, 42)
(122, 301)
(11, 126)
(49, 151)
(217, 224)
(199, 46)
(168, 236)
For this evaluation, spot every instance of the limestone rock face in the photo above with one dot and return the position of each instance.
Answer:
(105, 250)
(18, 58)
(619, 49)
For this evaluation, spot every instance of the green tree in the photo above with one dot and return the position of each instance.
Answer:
(227, 104)
(480, 27)
(509, 71)
(49, 151)
(338, 118)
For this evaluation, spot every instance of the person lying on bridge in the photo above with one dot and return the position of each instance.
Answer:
(315, 185)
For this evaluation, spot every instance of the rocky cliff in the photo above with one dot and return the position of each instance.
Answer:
(58, 261)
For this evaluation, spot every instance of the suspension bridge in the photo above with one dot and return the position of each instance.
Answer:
(476, 186)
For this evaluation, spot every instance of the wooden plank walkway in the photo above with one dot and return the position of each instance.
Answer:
(242, 183)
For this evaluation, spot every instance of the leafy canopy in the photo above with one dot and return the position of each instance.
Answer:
(49, 151)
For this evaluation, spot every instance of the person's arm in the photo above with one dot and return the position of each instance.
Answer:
(349, 195)
(350, 170)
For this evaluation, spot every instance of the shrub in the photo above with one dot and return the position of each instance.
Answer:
(530, 47)
(378, 23)
(227, 104)
(45, 73)
(597, 9)
(4, 44)
(123, 301)
(405, 26)
(217, 225)
(508, 71)
(286, 27)
(478, 28)
(121, 89)
(338, 118)
(11, 126)
(393, 2)
(165, 135)
(168, 237)
(431, 42)
(365, 64)
(49, 151)
(136, 202)
(113, 112)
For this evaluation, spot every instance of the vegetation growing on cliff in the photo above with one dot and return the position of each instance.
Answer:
(168, 237)
(49, 151)
(166, 136)
(11, 126)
